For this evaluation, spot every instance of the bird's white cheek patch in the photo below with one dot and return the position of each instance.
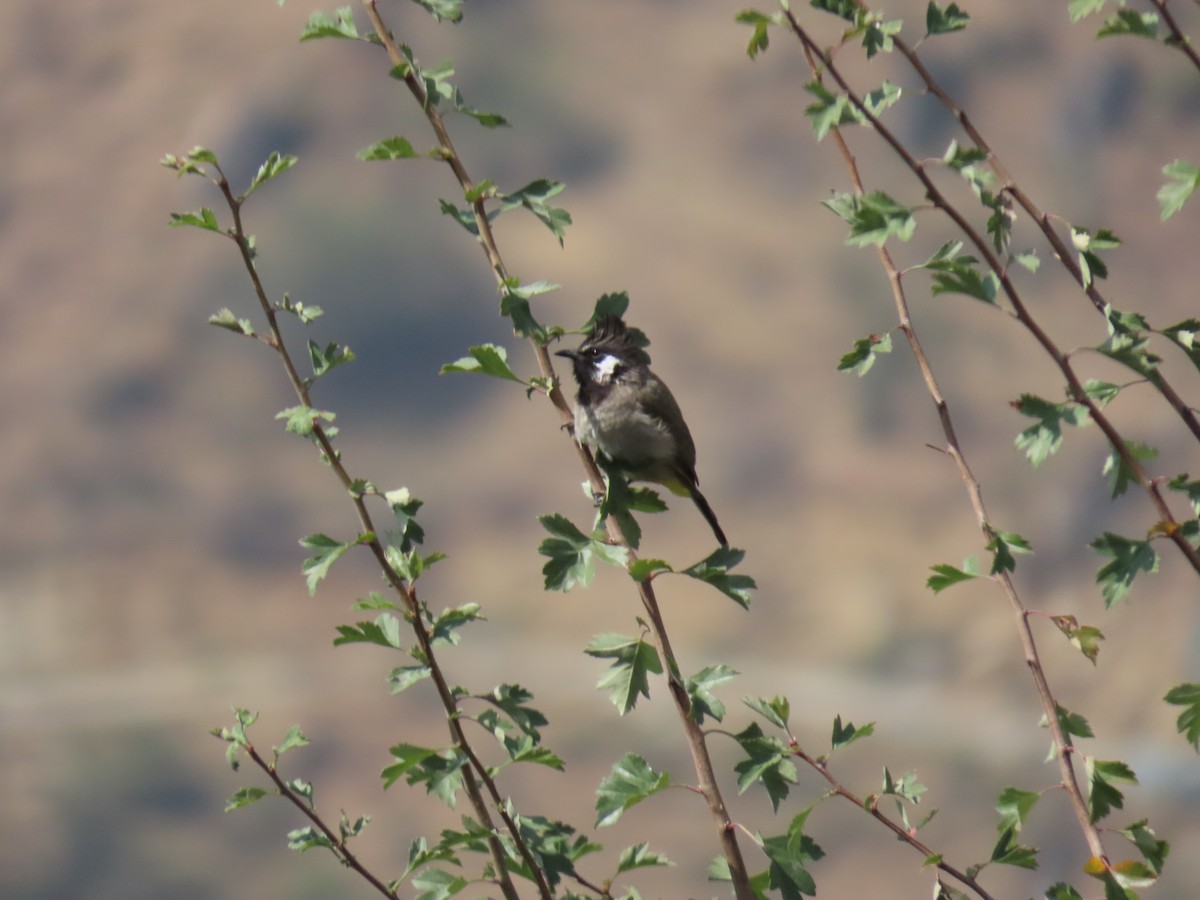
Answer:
(605, 368)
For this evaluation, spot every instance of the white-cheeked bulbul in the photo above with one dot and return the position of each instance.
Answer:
(626, 413)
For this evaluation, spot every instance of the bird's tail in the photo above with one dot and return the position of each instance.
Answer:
(709, 515)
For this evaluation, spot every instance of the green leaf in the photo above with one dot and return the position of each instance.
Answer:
(1004, 546)
(759, 22)
(1143, 837)
(830, 110)
(441, 773)
(907, 788)
(443, 10)
(438, 884)
(1041, 440)
(630, 782)
(404, 677)
(1128, 21)
(294, 738)
(206, 219)
(972, 164)
(882, 98)
(1121, 473)
(844, 735)
(572, 554)
(768, 760)
(325, 553)
(640, 856)
(628, 676)
(1085, 638)
(224, 318)
(775, 710)
(306, 838)
(878, 34)
(464, 217)
(865, 352)
(274, 165)
(304, 313)
(844, 9)
(790, 855)
(533, 197)
(487, 359)
(944, 21)
(512, 699)
(1182, 179)
(1185, 335)
(700, 687)
(302, 419)
(873, 218)
(389, 148)
(323, 25)
(1086, 244)
(1078, 9)
(1103, 775)
(515, 306)
(1014, 806)
(404, 507)
(444, 629)
(714, 570)
(955, 274)
(1187, 695)
(328, 358)
(613, 304)
(1129, 557)
(1008, 852)
(1102, 392)
(383, 632)
(945, 575)
(644, 568)
(1072, 724)
(1062, 891)
(533, 289)
(244, 797)
(618, 502)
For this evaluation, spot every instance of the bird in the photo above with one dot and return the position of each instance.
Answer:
(627, 414)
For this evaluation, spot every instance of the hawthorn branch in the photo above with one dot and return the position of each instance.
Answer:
(404, 591)
(1069, 779)
(695, 736)
(1167, 524)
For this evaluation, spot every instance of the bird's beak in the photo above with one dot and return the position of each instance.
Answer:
(569, 354)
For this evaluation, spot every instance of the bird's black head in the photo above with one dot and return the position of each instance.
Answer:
(609, 350)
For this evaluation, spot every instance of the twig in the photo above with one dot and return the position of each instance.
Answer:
(1067, 773)
(340, 848)
(696, 741)
(403, 590)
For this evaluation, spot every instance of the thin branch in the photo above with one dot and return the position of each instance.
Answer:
(1177, 38)
(403, 590)
(1168, 525)
(1062, 252)
(837, 789)
(340, 848)
(1070, 781)
(696, 741)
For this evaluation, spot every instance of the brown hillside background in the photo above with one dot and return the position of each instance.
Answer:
(149, 565)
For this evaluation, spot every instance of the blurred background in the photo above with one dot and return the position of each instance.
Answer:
(149, 565)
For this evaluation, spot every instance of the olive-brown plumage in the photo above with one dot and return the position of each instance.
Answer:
(625, 412)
